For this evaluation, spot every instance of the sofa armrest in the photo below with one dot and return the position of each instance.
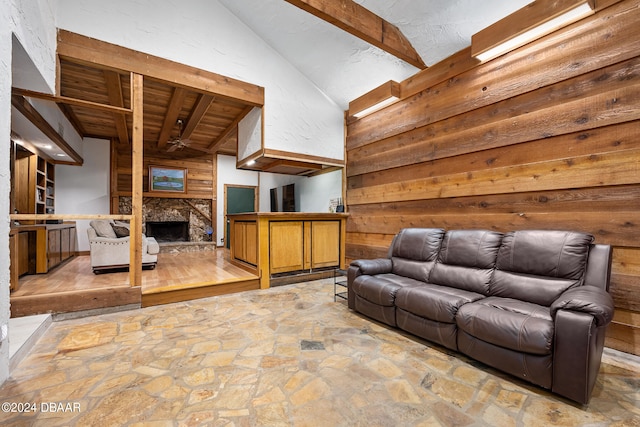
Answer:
(598, 272)
(109, 241)
(580, 316)
(373, 266)
(586, 299)
(106, 251)
(368, 267)
(578, 346)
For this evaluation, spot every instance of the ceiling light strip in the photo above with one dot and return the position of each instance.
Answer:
(543, 28)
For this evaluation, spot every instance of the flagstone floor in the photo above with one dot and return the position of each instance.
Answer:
(284, 356)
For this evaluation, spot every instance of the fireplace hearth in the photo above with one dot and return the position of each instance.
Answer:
(168, 231)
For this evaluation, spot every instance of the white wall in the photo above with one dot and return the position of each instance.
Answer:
(250, 134)
(28, 27)
(204, 34)
(274, 180)
(313, 194)
(85, 189)
(5, 142)
(33, 24)
(316, 192)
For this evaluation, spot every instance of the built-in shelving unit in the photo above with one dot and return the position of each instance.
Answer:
(45, 187)
(34, 183)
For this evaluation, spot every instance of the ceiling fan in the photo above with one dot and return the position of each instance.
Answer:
(178, 143)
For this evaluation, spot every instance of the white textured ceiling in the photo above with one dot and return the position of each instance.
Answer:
(345, 67)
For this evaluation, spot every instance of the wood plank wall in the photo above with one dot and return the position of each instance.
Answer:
(201, 171)
(547, 136)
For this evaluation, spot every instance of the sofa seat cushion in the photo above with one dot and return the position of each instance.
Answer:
(509, 323)
(434, 302)
(382, 288)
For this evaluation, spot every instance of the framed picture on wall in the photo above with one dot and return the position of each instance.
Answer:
(167, 179)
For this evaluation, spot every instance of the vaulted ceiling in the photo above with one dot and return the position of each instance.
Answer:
(346, 48)
(344, 66)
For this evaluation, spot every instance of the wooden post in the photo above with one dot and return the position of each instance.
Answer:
(214, 201)
(137, 148)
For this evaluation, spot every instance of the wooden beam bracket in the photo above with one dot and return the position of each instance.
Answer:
(364, 24)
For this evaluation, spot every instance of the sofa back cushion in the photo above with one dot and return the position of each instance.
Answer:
(539, 265)
(466, 260)
(103, 228)
(414, 252)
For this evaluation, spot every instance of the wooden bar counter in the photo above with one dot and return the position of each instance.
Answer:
(273, 243)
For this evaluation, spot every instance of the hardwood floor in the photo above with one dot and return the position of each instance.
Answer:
(75, 275)
(192, 275)
(177, 277)
(192, 269)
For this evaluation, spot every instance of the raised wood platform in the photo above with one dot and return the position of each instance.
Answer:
(178, 277)
(78, 300)
(169, 294)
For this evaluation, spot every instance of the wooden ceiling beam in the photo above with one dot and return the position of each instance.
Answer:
(114, 90)
(70, 101)
(26, 109)
(197, 113)
(216, 143)
(85, 50)
(364, 24)
(73, 118)
(171, 117)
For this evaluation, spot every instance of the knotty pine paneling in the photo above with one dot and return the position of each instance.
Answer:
(547, 137)
(200, 170)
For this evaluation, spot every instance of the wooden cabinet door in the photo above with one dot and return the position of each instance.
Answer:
(53, 252)
(325, 244)
(245, 242)
(73, 237)
(251, 243)
(24, 260)
(286, 246)
(238, 240)
(65, 240)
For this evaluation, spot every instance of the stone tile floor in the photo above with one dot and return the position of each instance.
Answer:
(284, 356)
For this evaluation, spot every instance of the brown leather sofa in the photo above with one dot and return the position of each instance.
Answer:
(532, 303)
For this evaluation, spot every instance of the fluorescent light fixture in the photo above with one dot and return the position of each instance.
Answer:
(568, 14)
(378, 98)
(61, 155)
(251, 162)
(376, 107)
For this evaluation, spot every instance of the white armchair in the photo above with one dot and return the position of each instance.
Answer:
(108, 251)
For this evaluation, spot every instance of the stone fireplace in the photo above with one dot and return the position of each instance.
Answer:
(188, 220)
(168, 231)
